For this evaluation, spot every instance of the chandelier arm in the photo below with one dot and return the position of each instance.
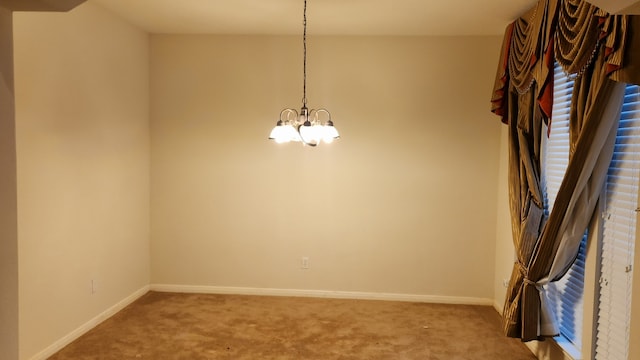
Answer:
(287, 112)
(313, 114)
(317, 114)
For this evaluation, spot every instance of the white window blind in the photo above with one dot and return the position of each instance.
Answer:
(619, 235)
(617, 241)
(566, 294)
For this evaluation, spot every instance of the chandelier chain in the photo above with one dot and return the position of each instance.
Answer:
(304, 46)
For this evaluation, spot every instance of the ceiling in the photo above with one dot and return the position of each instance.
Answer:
(325, 17)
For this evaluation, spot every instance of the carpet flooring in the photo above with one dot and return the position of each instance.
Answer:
(205, 326)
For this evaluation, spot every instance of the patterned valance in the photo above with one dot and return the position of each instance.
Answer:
(571, 32)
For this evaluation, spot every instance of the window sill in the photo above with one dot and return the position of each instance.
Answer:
(570, 350)
(558, 348)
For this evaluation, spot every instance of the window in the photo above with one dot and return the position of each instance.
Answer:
(619, 234)
(566, 294)
(617, 240)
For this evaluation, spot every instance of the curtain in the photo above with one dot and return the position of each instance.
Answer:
(592, 46)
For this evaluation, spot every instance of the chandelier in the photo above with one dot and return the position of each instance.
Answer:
(307, 126)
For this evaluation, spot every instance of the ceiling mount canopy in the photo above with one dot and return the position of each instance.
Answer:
(307, 126)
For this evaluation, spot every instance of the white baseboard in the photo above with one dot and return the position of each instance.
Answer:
(69, 338)
(321, 294)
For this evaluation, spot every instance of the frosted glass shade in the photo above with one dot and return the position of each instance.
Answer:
(330, 133)
(284, 133)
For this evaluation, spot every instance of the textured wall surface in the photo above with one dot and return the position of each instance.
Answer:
(83, 168)
(404, 203)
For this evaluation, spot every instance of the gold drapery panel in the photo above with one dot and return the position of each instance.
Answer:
(591, 45)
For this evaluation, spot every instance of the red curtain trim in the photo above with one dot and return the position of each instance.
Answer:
(611, 68)
(545, 99)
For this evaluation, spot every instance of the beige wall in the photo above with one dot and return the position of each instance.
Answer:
(8, 197)
(398, 205)
(83, 168)
(505, 254)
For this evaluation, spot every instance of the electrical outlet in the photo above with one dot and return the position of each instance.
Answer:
(505, 283)
(94, 286)
(304, 263)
